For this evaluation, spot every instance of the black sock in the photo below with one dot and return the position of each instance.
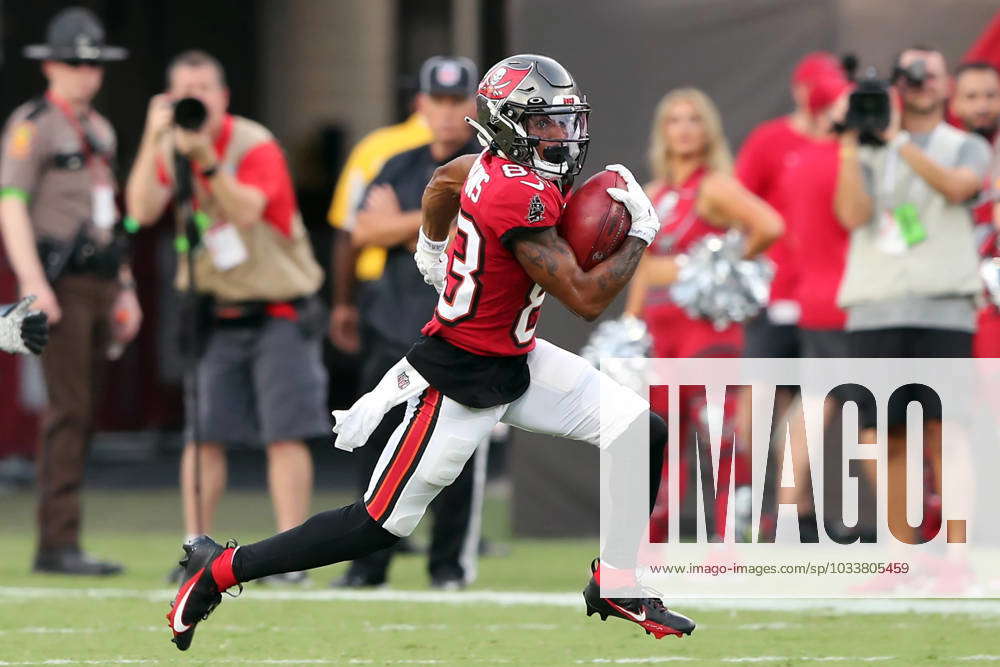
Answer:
(326, 538)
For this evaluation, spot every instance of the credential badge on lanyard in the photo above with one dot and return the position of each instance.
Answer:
(103, 210)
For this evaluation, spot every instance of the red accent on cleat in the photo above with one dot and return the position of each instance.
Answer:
(659, 631)
(222, 570)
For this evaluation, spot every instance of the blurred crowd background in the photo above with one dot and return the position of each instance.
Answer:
(321, 75)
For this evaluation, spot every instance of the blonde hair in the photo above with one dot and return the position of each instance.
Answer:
(718, 157)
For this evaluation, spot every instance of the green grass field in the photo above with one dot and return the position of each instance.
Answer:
(55, 620)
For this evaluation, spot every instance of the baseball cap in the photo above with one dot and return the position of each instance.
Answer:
(823, 75)
(448, 75)
(825, 91)
(815, 66)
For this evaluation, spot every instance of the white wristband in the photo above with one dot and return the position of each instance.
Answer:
(645, 233)
(426, 243)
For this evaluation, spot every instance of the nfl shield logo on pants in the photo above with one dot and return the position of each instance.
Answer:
(403, 380)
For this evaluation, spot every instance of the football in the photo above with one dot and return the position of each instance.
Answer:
(593, 223)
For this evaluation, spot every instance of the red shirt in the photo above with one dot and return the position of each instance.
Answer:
(490, 305)
(806, 190)
(762, 158)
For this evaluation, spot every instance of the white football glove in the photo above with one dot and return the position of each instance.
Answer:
(645, 222)
(432, 261)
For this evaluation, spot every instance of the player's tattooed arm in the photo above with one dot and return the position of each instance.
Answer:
(550, 262)
(442, 197)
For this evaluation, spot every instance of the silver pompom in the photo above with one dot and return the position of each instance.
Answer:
(624, 344)
(624, 337)
(715, 282)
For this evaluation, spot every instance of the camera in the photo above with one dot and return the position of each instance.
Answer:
(913, 74)
(190, 113)
(869, 109)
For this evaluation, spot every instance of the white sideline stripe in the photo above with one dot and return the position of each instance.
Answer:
(746, 659)
(251, 661)
(431, 661)
(980, 607)
(470, 659)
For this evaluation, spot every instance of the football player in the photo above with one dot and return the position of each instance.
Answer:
(478, 362)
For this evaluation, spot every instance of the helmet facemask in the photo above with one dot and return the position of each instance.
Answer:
(556, 139)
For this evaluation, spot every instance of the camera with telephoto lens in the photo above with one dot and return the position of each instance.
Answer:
(190, 113)
(869, 109)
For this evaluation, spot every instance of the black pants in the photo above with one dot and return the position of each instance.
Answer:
(913, 343)
(766, 340)
(452, 508)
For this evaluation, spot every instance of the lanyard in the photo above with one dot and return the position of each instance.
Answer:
(89, 154)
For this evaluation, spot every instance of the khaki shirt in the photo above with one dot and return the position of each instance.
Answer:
(44, 160)
(278, 263)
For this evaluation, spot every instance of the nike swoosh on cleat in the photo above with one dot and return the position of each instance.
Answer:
(638, 618)
(178, 625)
(538, 186)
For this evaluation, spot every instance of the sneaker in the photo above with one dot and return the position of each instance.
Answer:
(74, 562)
(199, 593)
(649, 613)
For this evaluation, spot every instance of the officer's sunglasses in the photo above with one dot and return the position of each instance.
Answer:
(77, 62)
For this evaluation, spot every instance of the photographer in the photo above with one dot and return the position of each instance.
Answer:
(911, 274)
(61, 232)
(260, 374)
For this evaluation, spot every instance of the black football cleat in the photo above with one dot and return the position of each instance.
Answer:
(648, 613)
(198, 595)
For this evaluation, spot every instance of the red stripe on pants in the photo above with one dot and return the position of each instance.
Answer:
(407, 453)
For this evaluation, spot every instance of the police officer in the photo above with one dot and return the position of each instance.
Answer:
(400, 304)
(59, 221)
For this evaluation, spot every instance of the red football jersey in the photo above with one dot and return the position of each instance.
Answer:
(490, 305)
